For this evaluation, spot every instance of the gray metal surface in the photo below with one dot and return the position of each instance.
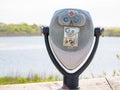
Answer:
(71, 58)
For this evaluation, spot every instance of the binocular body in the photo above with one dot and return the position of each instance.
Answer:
(71, 35)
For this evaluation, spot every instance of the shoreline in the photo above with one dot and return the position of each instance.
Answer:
(18, 35)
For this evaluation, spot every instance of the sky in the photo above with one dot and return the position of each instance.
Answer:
(104, 13)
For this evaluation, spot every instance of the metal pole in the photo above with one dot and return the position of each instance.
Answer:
(71, 82)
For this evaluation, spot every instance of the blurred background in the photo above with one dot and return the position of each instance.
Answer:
(22, 48)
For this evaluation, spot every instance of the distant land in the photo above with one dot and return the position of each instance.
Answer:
(24, 29)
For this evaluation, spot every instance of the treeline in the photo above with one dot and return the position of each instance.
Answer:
(24, 29)
(114, 32)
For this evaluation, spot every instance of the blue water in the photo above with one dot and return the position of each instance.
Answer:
(26, 55)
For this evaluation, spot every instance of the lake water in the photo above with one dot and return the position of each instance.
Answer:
(26, 55)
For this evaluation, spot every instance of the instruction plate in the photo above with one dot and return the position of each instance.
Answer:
(71, 37)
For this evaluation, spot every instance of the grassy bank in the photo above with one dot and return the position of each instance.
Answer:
(22, 80)
(103, 74)
(36, 78)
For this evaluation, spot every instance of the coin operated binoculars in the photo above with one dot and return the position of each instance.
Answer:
(69, 41)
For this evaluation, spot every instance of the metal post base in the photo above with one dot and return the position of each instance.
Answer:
(71, 82)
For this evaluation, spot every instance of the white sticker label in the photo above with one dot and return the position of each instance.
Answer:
(71, 37)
